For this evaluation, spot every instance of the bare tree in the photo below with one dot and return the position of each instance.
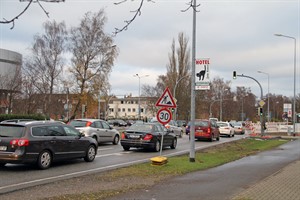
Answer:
(178, 73)
(46, 63)
(12, 20)
(93, 54)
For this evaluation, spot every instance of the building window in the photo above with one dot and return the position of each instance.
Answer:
(142, 110)
(119, 109)
(123, 109)
(122, 102)
(129, 109)
(133, 109)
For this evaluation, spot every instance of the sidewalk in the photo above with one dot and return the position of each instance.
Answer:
(282, 185)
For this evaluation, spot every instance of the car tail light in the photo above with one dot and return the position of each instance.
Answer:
(123, 136)
(148, 136)
(19, 142)
(208, 130)
(88, 124)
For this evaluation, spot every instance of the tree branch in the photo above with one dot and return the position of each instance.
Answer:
(137, 12)
(5, 21)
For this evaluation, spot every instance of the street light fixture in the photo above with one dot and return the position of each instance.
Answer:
(137, 75)
(294, 101)
(268, 93)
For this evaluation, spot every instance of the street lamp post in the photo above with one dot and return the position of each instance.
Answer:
(137, 75)
(294, 101)
(174, 90)
(268, 93)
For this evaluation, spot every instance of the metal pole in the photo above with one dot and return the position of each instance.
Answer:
(99, 106)
(192, 128)
(294, 101)
(268, 93)
(261, 98)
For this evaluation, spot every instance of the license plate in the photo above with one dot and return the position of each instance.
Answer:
(134, 136)
(3, 148)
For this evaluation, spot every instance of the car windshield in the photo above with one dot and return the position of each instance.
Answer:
(11, 131)
(237, 124)
(222, 124)
(78, 123)
(141, 127)
(201, 123)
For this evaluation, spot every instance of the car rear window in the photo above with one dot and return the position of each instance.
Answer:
(11, 131)
(201, 123)
(222, 124)
(141, 127)
(78, 123)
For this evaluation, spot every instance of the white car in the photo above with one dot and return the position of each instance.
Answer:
(98, 129)
(226, 129)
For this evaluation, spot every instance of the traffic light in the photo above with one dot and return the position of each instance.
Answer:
(260, 111)
(234, 74)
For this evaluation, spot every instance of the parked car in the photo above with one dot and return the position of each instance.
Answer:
(148, 136)
(119, 122)
(98, 129)
(205, 129)
(17, 120)
(226, 129)
(239, 127)
(43, 142)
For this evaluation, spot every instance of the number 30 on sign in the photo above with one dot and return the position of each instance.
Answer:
(164, 116)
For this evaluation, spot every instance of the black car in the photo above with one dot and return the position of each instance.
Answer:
(147, 136)
(43, 142)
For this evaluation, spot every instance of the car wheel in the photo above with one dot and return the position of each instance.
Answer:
(2, 164)
(157, 146)
(90, 154)
(44, 160)
(116, 139)
(218, 138)
(126, 148)
(211, 138)
(174, 144)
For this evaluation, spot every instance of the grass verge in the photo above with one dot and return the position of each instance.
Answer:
(145, 175)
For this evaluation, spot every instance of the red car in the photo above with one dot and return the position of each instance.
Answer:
(206, 129)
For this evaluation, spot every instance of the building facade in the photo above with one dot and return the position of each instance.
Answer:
(128, 108)
(10, 66)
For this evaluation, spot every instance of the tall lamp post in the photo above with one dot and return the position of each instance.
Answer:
(294, 101)
(137, 75)
(174, 90)
(268, 93)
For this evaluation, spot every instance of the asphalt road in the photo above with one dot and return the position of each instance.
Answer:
(110, 156)
(223, 182)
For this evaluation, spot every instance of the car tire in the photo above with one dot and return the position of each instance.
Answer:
(116, 140)
(157, 146)
(44, 160)
(218, 138)
(2, 164)
(90, 154)
(126, 148)
(174, 144)
(211, 138)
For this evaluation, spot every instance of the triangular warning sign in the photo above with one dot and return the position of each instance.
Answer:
(166, 100)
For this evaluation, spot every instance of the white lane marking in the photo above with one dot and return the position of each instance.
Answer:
(74, 173)
(104, 149)
(113, 154)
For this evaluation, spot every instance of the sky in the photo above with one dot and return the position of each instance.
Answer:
(236, 35)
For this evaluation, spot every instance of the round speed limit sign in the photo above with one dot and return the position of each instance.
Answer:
(164, 116)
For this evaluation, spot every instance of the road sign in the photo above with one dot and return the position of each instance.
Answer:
(166, 100)
(164, 116)
(261, 103)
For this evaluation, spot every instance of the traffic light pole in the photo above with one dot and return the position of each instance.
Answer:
(261, 98)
